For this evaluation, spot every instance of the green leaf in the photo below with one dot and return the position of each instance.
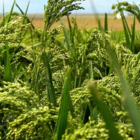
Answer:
(71, 107)
(90, 71)
(74, 29)
(66, 36)
(7, 65)
(133, 37)
(126, 31)
(3, 14)
(25, 15)
(28, 21)
(128, 100)
(63, 112)
(122, 14)
(106, 24)
(95, 114)
(10, 14)
(70, 28)
(50, 87)
(102, 107)
(99, 23)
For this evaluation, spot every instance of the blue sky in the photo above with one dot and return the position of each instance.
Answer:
(37, 6)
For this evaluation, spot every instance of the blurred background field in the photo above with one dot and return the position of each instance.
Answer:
(87, 20)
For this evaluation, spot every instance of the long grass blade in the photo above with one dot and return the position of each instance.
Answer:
(99, 23)
(25, 19)
(90, 71)
(36, 79)
(96, 16)
(122, 14)
(105, 112)
(106, 24)
(126, 31)
(28, 21)
(50, 87)
(66, 36)
(10, 14)
(94, 114)
(63, 112)
(128, 100)
(74, 29)
(133, 37)
(86, 114)
(25, 15)
(70, 28)
(119, 37)
(71, 107)
(3, 14)
(7, 66)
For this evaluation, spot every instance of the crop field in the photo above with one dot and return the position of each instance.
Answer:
(80, 81)
(87, 21)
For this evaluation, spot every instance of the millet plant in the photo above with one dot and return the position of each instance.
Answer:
(65, 84)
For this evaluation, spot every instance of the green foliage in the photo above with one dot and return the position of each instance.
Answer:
(33, 124)
(91, 130)
(104, 112)
(15, 98)
(64, 105)
(12, 31)
(44, 100)
(129, 35)
(128, 101)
